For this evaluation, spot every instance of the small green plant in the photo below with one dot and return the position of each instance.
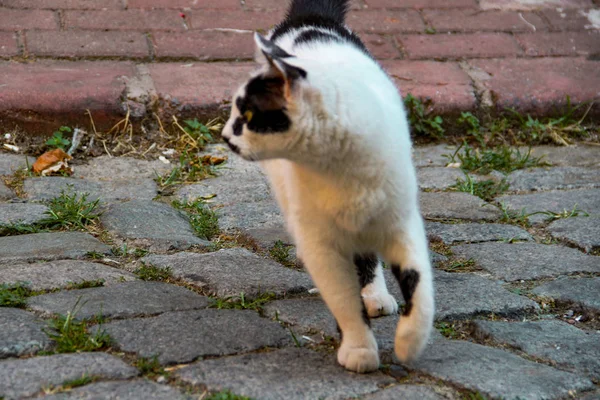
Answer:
(459, 265)
(153, 273)
(20, 229)
(281, 253)
(241, 303)
(421, 120)
(94, 255)
(574, 212)
(57, 140)
(85, 284)
(447, 329)
(70, 211)
(198, 131)
(514, 217)
(226, 395)
(203, 220)
(73, 383)
(485, 189)
(191, 168)
(473, 126)
(150, 367)
(14, 295)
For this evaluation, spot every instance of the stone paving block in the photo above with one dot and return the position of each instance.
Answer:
(150, 224)
(121, 300)
(64, 4)
(5, 192)
(22, 213)
(181, 337)
(496, 373)
(268, 236)
(24, 378)
(591, 396)
(474, 233)
(419, 4)
(186, 4)
(578, 155)
(381, 47)
(9, 163)
(228, 191)
(49, 246)
(385, 21)
(552, 340)
(539, 179)
(127, 390)
(560, 43)
(458, 205)
(438, 178)
(236, 19)
(204, 45)
(233, 271)
(290, 373)
(306, 315)
(121, 20)
(457, 46)
(14, 20)
(107, 191)
(517, 261)
(406, 392)
(583, 232)
(21, 333)
(566, 19)
(432, 155)
(587, 200)
(469, 20)
(8, 44)
(247, 216)
(582, 291)
(105, 168)
(61, 274)
(533, 5)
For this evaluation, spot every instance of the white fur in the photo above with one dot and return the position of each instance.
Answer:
(344, 179)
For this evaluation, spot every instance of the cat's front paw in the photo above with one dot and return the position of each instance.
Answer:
(380, 304)
(359, 359)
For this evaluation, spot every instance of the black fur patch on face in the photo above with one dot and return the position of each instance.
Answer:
(232, 146)
(408, 281)
(365, 266)
(265, 101)
(238, 126)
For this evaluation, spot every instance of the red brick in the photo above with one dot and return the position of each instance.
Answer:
(125, 20)
(87, 44)
(63, 87)
(244, 20)
(383, 21)
(185, 4)
(200, 88)
(532, 5)
(64, 4)
(11, 20)
(567, 20)
(420, 3)
(538, 85)
(455, 46)
(560, 43)
(204, 45)
(476, 20)
(283, 4)
(445, 83)
(8, 44)
(380, 46)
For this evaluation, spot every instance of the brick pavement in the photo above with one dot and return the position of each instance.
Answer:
(61, 57)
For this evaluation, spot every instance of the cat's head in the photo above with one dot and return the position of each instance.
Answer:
(267, 111)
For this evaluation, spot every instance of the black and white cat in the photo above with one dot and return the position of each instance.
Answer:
(329, 129)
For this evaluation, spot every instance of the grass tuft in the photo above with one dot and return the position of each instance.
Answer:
(421, 120)
(85, 284)
(459, 265)
(226, 395)
(14, 295)
(150, 367)
(281, 253)
(241, 303)
(203, 220)
(153, 273)
(70, 211)
(486, 189)
(73, 383)
(500, 158)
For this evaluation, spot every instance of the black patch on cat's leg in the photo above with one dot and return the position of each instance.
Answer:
(408, 281)
(366, 264)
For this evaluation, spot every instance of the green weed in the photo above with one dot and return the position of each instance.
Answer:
(226, 395)
(501, 158)
(459, 265)
(73, 383)
(473, 126)
(85, 284)
(70, 211)
(421, 120)
(150, 366)
(191, 168)
(198, 131)
(447, 330)
(514, 217)
(552, 216)
(14, 295)
(203, 220)
(281, 253)
(486, 189)
(58, 141)
(20, 229)
(152, 273)
(241, 303)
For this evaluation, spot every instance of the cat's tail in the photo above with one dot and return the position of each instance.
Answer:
(331, 9)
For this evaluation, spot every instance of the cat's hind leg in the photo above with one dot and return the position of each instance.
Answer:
(408, 255)
(378, 301)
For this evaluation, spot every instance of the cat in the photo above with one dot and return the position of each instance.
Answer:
(329, 129)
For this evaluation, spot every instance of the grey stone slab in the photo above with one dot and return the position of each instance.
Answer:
(517, 261)
(266, 237)
(245, 216)
(21, 213)
(62, 273)
(539, 179)
(497, 373)
(10, 163)
(152, 225)
(288, 374)
(49, 246)
(5, 192)
(180, 337)
(578, 155)
(307, 316)
(121, 168)
(552, 340)
(235, 166)
(448, 205)
(107, 191)
(583, 232)
(232, 271)
(474, 233)
(120, 300)
(22, 378)
(21, 333)
(406, 392)
(228, 190)
(591, 396)
(432, 155)
(438, 178)
(587, 200)
(582, 291)
(127, 390)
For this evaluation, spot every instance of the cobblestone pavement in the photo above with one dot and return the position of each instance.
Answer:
(59, 58)
(517, 307)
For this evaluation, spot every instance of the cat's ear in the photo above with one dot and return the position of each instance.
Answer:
(276, 56)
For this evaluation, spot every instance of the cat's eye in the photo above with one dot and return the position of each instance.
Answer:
(248, 115)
